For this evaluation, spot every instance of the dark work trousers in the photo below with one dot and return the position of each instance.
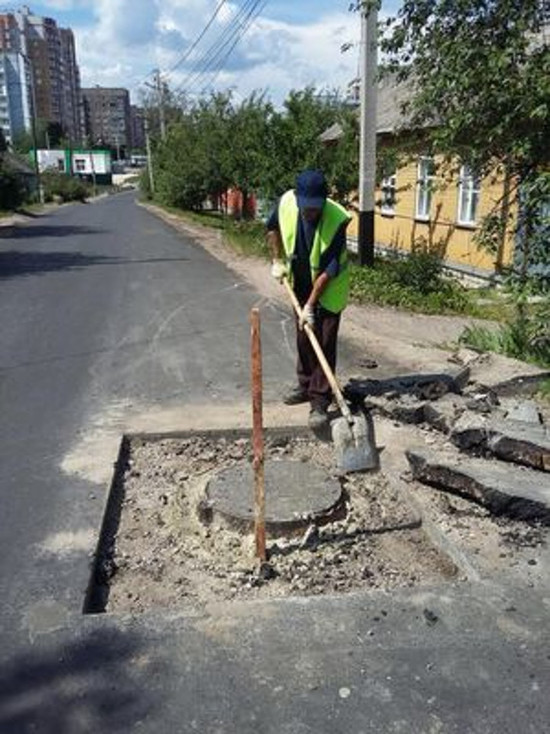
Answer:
(310, 373)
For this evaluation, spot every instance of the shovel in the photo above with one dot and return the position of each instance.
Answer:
(352, 434)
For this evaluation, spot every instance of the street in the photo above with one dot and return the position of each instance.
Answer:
(111, 320)
(105, 313)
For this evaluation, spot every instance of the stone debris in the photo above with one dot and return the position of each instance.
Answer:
(504, 489)
(170, 548)
(518, 442)
(443, 413)
(423, 387)
(402, 408)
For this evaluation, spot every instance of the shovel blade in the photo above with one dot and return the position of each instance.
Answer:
(354, 444)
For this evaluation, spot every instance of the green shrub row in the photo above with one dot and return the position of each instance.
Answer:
(64, 188)
(415, 283)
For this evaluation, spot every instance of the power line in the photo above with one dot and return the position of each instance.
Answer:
(227, 40)
(212, 53)
(262, 5)
(199, 37)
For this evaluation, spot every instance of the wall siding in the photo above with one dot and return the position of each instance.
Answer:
(442, 231)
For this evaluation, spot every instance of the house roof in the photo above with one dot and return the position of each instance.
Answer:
(389, 115)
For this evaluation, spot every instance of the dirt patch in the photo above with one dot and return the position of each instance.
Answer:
(167, 553)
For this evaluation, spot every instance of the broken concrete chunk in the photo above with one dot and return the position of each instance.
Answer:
(505, 490)
(443, 413)
(405, 408)
(466, 357)
(520, 443)
(481, 401)
(423, 387)
(524, 411)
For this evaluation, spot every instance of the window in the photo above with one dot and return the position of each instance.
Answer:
(80, 164)
(387, 204)
(424, 187)
(468, 196)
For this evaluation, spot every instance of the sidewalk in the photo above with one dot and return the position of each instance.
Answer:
(400, 342)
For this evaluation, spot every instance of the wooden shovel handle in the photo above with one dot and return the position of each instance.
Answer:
(320, 355)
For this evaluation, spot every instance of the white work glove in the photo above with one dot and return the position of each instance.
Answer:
(278, 270)
(308, 316)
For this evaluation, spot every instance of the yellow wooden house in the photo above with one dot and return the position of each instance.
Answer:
(418, 202)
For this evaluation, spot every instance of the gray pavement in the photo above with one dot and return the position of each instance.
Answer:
(102, 305)
(105, 309)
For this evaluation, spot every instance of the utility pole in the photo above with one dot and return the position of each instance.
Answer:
(158, 88)
(160, 92)
(367, 154)
(149, 156)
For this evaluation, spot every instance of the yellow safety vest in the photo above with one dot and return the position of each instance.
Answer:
(335, 296)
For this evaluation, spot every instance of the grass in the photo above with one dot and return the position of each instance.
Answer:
(403, 284)
(520, 338)
(544, 391)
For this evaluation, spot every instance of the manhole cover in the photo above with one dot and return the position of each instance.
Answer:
(297, 493)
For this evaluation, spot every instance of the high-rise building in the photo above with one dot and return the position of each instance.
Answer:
(49, 52)
(137, 123)
(107, 117)
(15, 95)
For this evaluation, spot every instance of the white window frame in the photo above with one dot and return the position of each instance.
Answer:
(469, 194)
(388, 189)
(80, 165)
(424, 188)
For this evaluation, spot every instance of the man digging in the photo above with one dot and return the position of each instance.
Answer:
(306, 233)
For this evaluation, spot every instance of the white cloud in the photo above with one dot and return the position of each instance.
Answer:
(131, 37)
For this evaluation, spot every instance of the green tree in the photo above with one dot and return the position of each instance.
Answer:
(249, 152)
(296, 132)
(481, 73)
(480, 70)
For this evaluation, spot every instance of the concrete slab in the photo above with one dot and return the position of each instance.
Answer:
(504, 489)
(526, 411)
(297, 493)
(514, 441)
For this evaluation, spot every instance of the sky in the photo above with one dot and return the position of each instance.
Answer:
(289, 44)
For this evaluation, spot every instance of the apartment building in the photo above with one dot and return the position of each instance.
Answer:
(15, 95)
(50, 56)
(107, 117)
(137, 125)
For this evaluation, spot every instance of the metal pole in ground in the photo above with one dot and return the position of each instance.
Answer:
(367, 154)
(258, 436)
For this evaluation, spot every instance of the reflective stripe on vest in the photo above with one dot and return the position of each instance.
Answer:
(335, 296)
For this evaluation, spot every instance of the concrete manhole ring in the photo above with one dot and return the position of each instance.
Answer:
(297, 494)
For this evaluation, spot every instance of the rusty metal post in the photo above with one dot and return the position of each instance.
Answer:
(258, 436)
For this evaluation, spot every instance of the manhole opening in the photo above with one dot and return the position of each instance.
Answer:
(177, 528)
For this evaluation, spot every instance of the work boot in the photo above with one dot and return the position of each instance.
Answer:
(295, 396)
(318, 418)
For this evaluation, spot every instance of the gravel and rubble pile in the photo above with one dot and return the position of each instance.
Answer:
(166, 555)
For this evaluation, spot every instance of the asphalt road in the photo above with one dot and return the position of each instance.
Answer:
(108, 314)
(105, 311)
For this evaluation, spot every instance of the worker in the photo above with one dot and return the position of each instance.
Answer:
(306, 233)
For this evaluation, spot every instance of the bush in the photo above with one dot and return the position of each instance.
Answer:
(416, 283)
(12, 193)
(65, 188)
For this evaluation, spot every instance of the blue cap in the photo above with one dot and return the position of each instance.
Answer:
(311, 190)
